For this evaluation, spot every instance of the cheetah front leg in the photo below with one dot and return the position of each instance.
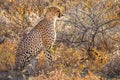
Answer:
(48, 56)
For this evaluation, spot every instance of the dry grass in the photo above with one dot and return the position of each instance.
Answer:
(7, 55)
(60, 75)
(69, 64)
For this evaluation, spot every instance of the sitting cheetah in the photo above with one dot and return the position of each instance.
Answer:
(41, 37)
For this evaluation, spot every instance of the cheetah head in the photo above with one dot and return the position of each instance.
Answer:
(53, 13)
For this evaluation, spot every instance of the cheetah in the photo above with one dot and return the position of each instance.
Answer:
(41, 37)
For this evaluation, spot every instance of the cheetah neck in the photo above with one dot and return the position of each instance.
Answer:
(54, 23)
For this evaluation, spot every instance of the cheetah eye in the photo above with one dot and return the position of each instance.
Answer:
(58, 11)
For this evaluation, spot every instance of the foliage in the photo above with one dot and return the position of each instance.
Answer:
(87, 37)
(91, 25)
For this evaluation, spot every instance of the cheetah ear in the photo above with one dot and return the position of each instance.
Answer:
(45, 9)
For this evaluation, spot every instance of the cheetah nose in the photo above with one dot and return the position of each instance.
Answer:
(60, 15)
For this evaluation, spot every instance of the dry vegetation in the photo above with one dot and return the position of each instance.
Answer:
(87, 45)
